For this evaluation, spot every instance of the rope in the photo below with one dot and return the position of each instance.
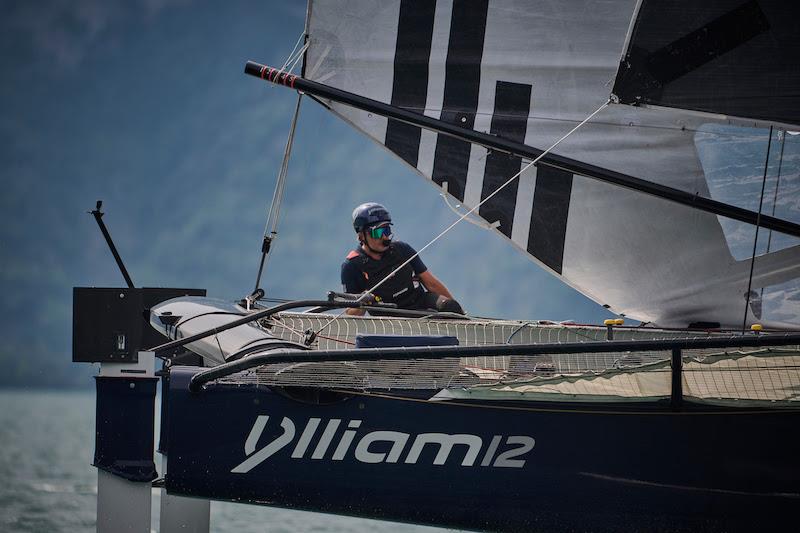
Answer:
(777, 186)
(292, 53)
(755, 239)
(508, 340)
(365, 294)
(271, 227)
(278, 322)
(775, 197)
(299, 57)
(477, 206)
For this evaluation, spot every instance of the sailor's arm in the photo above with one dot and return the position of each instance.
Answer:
(350, 283)
(432, 284)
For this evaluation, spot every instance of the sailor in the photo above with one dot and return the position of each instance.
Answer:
(412, 287)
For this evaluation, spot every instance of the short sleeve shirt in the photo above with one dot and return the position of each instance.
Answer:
(353, 279)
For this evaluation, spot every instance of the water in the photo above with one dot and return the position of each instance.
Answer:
(48, 483)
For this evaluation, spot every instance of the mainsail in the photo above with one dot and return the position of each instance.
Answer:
(529, 71)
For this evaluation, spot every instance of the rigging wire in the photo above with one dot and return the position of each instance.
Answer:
(489, 197)
(299, 57)
(271, 227)
(276, 300)
(292, 53)
(755, 239)
(365, 295)
(276, 322)
(777, 186)
(775, 197)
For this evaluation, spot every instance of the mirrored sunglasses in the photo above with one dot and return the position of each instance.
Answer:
(380, 232)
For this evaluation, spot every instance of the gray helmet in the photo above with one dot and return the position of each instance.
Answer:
(369, 214)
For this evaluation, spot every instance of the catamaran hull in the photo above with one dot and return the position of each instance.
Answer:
(498, 467)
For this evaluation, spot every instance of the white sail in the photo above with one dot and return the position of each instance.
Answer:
(530, 71)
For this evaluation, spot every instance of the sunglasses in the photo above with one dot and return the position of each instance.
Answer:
(378, 233)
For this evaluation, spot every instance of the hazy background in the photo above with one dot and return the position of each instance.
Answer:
(144, 104)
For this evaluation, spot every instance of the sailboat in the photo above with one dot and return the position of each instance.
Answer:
(613, 143)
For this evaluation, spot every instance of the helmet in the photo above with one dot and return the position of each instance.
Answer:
(369, 214)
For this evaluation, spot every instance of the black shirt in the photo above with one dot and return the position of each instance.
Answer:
(360, 273)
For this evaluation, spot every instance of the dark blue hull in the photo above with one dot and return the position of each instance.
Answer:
(497, 466)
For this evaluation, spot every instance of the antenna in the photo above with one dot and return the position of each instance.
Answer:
(98, 216)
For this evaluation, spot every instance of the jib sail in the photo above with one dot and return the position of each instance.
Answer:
(531, 70)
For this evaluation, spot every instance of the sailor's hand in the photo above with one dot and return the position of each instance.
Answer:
(368, 299)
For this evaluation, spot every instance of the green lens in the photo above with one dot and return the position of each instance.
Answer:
(377, 233)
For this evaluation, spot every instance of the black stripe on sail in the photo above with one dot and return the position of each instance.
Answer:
(707, 43)
(410, 85)
(461, 84)
(549, 216)
(730, 65)
(510, 120)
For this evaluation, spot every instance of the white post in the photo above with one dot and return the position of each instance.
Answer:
(124, 505)
(181, 514)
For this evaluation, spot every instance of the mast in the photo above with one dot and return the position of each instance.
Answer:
(493, 142)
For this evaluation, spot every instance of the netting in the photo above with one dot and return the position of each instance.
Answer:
(341, 334)
(759, 375)
(712, 375)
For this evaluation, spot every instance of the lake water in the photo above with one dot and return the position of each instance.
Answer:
(48, 483)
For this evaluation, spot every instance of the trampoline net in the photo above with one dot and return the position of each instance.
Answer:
(712, 375)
